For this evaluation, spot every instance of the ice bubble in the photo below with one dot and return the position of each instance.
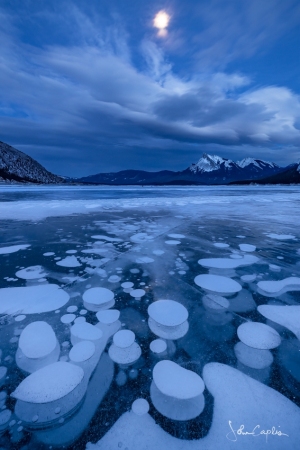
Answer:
(80, 320)
(274, 268)
(5, 416)
(82, 351)
(124, 349)
(168, 312)
(71, 252)
(108, 316)
(83, 312)
(13, 249)
(288, 316)
(134, 270)
(140, 238)
(144, 260)
(50, 383)
(247, 247)
(176, 392)
(3, 372)
(248, 278)
(172, 242)
(177, 382)
(281, 237)
(158, 346)
(137, 294)
(228, 263)
(176, 236)
(32, 299)
(20, 318)
(67, 318)
(114, 279)
(140, 406)
(275, 288)
(69, 261)
(31, 273)
(124, 338)
(258, 335)
(72, 309)
(215, 303)
(106, 238)
(48, 254)
(158, 252)
(98, 298)
(253, 357)
(127, 286)
(217, 283)
(85, 332)
(121, 378)
(220, 245)
(37, 340)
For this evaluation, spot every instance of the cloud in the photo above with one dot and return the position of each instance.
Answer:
(91, 100)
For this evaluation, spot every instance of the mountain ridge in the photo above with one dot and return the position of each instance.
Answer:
(16, 166)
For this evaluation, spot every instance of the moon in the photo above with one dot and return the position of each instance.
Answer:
(161, 20)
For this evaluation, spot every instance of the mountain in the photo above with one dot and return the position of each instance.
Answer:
(290, 175)
(17, 166)
(210, 169)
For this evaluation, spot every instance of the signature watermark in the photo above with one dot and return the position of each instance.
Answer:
(255, 432)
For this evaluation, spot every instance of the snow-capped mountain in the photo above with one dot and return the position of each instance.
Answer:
(209, 163)
(210, 169)
(17, 166)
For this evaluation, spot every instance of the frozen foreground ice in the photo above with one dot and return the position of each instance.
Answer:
(149, 318)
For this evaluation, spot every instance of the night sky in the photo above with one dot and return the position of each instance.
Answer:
(106, 85)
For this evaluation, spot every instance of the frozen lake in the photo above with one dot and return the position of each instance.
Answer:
(150, 318)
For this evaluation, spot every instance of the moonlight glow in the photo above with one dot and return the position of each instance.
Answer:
(161, 20)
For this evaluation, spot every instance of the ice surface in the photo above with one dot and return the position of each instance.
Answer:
(69, 261)
(275, 288)
(217, 283)
(32, 299)
(177, 382)
(288, 316)
(37, 340)
(168, 312)
(238, 399)
(49, 383)
(13, 249)
(258, 335)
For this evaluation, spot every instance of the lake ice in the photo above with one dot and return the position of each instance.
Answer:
(140, 318)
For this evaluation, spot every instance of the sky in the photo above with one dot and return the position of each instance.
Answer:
(89, 87)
